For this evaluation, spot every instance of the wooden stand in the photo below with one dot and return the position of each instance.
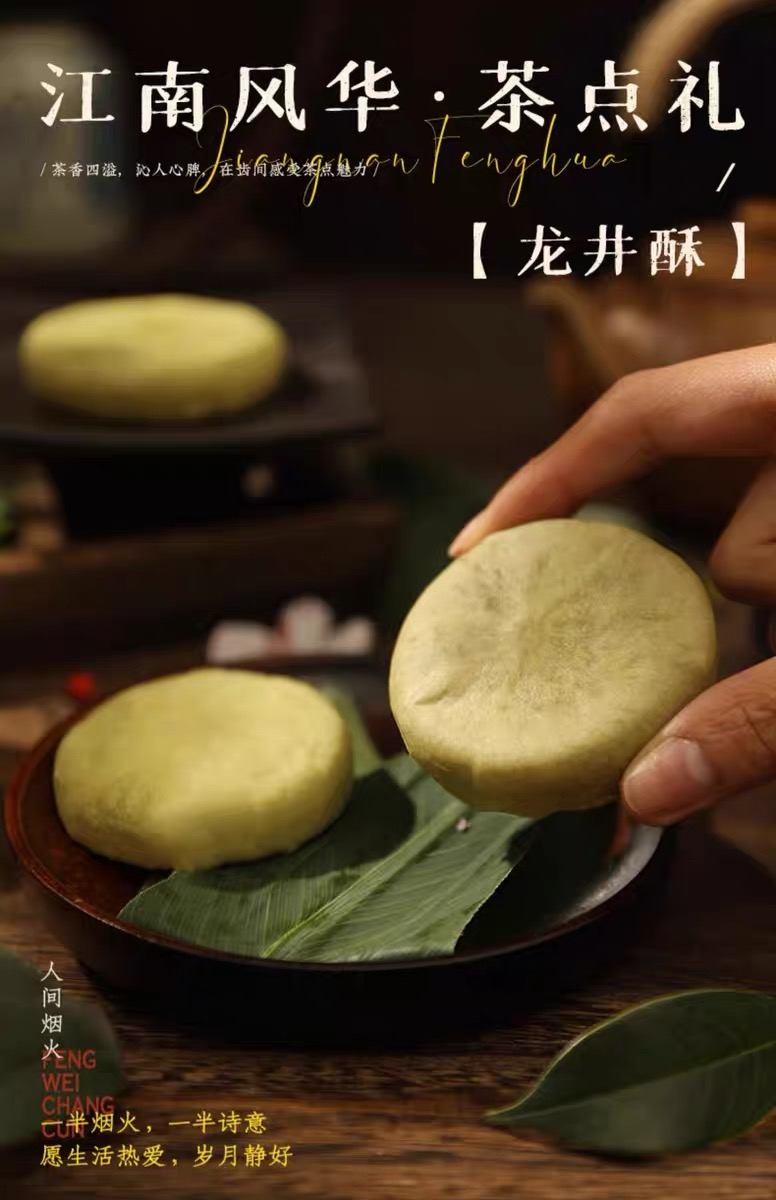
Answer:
(170, 585)
(163, 531)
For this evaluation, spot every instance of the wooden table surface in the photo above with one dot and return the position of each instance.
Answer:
(385, 1124)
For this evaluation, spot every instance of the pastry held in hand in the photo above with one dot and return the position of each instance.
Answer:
(204, 768)
(531, 672)
(153, 358)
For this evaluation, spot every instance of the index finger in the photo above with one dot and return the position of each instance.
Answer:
(720, 405)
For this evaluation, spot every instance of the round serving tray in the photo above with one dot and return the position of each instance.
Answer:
(505, 960)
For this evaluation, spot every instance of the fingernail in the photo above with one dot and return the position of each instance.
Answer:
(671, 782)
(469, 535)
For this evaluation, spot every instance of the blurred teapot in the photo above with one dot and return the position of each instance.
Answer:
(600, 332)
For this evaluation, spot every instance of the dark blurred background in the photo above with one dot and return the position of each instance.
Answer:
(471, 374)
(397, 225)
(376, 234)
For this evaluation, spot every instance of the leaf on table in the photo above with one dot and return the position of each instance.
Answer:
(393, 877)
(21, 1048)
(671, 1075)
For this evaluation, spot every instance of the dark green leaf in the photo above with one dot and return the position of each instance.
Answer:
(672, 1075)
(22, 1044)
(393, 877)
(436, 498)
(365, 756)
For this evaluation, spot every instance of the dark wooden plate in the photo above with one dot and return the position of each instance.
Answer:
(324, 395)
(506, 958)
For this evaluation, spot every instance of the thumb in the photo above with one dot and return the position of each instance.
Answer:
(723, 743)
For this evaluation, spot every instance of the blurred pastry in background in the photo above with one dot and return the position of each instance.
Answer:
(164, 357)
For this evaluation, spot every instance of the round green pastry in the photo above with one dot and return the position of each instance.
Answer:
(204, 768)
(531, 672)
(153, 358)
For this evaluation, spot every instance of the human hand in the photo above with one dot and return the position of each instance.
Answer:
(723, 405)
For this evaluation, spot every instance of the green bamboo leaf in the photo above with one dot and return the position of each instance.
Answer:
(365, 755)
(672, 1075)
(396, 876)
(436, 499)
(22, 1044)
